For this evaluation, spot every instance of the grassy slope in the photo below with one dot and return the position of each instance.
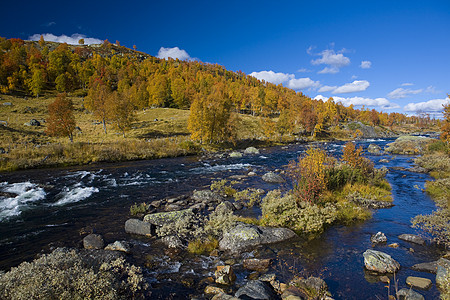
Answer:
(157, 132)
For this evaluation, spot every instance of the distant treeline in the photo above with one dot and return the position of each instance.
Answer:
(37, 68)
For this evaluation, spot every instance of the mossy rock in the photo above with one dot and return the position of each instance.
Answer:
(164, 218)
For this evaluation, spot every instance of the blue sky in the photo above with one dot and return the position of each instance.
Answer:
(388, 55)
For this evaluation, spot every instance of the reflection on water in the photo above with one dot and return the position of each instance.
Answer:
(40, 209)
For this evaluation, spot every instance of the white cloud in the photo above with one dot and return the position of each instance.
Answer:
(407, 84)
(329, 70)
(365, 64)
(302, 83)
(360, 101)
(355, 86)
(174, 53)
(327, 88)
(303, 70)
(403, 93)
(332, 59)
(434, 105)
(72, 40)
(271, 76)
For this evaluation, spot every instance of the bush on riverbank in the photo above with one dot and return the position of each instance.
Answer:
(71, 274)
(323, 191)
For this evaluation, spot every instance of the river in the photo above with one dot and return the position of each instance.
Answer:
(44, 209)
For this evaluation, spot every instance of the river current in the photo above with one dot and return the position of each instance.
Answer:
(44, 209)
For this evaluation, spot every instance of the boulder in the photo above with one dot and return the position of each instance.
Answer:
(119, 246)
(379, 237)
(256, 289)
(7, 103)
(159, 219)
(224, 275)
(412, 238)
(271, 177)
(251, 150)
(93, 241)
(418, 282)
(380, 262)
(256, 264)
(223, 296)
(244, 236)
(374, 149)
(34, 122)
(224, 207)
(136, 226)
(443, 267)
(207, 196)
(214, 290)
(408, 294)
(408, 145)
(235, 154)
(429, 267)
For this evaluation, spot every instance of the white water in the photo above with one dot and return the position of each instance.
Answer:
(75, 194)
(27, 193)
(209, 169)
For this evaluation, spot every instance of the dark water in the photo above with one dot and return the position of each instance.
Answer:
(57, 207)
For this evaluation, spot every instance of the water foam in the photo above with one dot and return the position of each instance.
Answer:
(217, 168)
(26, 192)
(75, 194)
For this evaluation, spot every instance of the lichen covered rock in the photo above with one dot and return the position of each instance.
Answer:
(380, 262)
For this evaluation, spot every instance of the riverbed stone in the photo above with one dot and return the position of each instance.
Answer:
(225, 207)
(408, 145)
(412, 238)
(136, 226)
(213, 290)
(380, 262)
(223, 296)
(418, 282)
(271, 177)
(374, 149)
(244, 236)
(256, 289)
(119, 246)
(409, 294)
(235, 154)
(429, 267)
(224, 275)
(443, 268)
(378, 238)
(93, 241)
(251, 150)
(256, 264)
(162, 218)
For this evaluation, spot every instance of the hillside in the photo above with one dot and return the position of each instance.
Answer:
(130, 105)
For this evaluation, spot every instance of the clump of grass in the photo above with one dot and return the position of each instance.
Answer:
(348, 213)
(138, 209)
(203, 246)
(367, 192)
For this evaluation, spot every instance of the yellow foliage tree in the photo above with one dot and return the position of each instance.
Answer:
(445, 136)
(211, 119)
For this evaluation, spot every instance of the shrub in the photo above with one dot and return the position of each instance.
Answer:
(223, 187)
(303, 217)
(340, 175)
(188, 226)
(309, 175)
(70, 274)
(249, 196)
(437, 224)
(219, 222)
